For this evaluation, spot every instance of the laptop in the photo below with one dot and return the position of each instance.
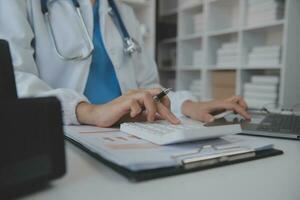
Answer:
(273, 125)
(32, 140)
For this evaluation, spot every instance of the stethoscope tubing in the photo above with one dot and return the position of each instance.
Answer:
(130, 45)
(55, 43)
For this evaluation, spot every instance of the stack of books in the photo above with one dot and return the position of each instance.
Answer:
(227, 55)
(264, 55)
(189, 3)
(261, 91)
(198, 58)
(196, 88)
(198, 23)
(264, 11)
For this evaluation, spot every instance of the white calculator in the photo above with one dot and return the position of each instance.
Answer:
(163, 133)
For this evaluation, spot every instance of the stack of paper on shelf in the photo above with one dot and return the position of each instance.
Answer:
(188, 3)
(223, 83)
(227, 55)
(264, 11)
(198, 23)
(261, 91)
(196, 88)
(198, 58)
(264, 55)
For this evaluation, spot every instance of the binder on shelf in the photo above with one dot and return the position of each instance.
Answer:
(223, 84)
(139, 160)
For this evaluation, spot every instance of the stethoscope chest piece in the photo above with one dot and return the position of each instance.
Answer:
(131, 46)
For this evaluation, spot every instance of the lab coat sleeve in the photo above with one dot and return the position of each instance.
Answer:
(147, 74)
(18, 32)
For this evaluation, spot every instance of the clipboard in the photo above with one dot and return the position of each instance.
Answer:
(188, 165)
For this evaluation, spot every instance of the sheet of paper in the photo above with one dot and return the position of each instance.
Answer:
(137, 154)
(121, 148)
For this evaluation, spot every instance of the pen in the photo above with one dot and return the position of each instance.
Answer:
(163, 93)
(223, 114)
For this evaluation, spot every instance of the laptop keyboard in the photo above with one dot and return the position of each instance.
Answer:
(280, 123)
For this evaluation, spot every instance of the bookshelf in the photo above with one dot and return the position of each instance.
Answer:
(233, 37)
(145, 11)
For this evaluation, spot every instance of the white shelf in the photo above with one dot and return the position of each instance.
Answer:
(169, 40)
(189, 68)
(167, 69)
(216, 68)
(168, 7)
(190, 6)
(262, 67)
(168, 13)
(267, 25)
(191, 36)
(225, 21)
(223, 15)
(223, 32)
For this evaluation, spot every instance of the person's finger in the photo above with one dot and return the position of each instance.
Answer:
(240, 100)
(155, 91)
(129, 92)
(166, 114)
(243, 103)
(237, 108)
(158, 117)
(127, 118)
(166, 102)
(206, 118)
(142, 117)
(150, 105)
(135, 108)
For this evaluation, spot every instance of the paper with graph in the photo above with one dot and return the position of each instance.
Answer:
(137, 154)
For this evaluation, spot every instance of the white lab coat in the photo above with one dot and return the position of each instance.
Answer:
(40, 72)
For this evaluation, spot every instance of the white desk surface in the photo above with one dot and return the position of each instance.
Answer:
(274, 178)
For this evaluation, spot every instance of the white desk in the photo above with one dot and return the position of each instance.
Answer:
(275, 178)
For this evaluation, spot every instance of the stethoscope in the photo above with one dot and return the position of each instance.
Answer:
(131, 46)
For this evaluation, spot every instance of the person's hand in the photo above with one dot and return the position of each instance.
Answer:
(135, 104)
(204, 111)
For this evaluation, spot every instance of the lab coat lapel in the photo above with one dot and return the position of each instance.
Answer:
(112, 41)
(87, 14)
(108, 31)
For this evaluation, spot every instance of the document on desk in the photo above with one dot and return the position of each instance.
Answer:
(136, 154)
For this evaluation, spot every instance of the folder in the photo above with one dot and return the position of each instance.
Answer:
(139, 160)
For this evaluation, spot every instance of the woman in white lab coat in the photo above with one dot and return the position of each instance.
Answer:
(40, 71)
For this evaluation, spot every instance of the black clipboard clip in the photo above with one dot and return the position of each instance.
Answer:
(219, 156)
